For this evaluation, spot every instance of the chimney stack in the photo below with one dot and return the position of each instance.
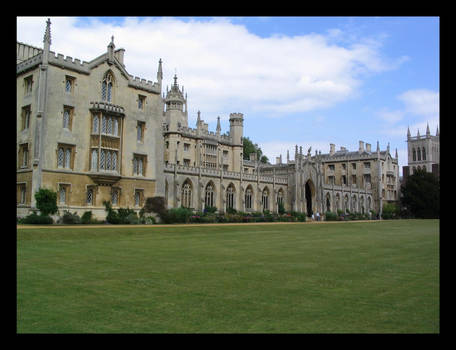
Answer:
(368, 147)
(361, 147)
(332, 149)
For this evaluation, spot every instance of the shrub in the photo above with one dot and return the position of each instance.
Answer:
(390, 211)
(69, 218)
(86, 218)
(46, 201)
(210, 210)
(155, 205)
(37, 219)
(330, 216)
(176, 215)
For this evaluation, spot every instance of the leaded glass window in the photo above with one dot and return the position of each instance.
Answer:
(90, 196)
(67, 158)
(114, 160)
(95, 122)
(60, 157)
(103, 124)
(94, 160)
(115, 197)
(62, 194)
(109, 126)
(108, 160)
(102, 159)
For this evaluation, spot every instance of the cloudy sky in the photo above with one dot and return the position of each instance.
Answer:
(306, 81)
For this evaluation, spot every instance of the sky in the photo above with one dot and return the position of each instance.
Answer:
(306, 81)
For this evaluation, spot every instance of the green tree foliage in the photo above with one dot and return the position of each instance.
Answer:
(250, 147)
(46, 201)
(421, 195)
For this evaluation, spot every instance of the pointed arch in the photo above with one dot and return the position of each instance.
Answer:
(328, 201)
(187, 193)
(230, 196)
(209, 195)
(248, 197)
(265, 198)
(309, 195)
(107, 85)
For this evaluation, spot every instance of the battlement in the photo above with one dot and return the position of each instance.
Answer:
(144, 84)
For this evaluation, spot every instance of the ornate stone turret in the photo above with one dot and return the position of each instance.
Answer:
(176, 106)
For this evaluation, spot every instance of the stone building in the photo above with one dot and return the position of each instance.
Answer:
(423, 152)
(92, 132)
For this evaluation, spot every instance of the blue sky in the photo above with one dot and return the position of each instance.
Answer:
(309, 81)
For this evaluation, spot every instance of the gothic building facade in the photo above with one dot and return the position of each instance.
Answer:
(423, 152)
(92, 132)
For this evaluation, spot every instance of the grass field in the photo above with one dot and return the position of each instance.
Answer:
(350, 277)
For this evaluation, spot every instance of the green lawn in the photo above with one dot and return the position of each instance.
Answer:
(370, 277)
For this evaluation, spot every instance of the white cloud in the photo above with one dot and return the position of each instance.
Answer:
(421, 102)
(223, 66)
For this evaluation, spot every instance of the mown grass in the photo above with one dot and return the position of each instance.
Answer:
(373, 277)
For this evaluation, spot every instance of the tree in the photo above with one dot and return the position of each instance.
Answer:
(249, 147)
(46, 201)
(421, 195)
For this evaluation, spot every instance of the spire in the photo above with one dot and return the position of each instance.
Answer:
(175, 80)
(395, 156)
(428, 132)
(378, 146)
(418, 133)
(288, 156)
(47, 33)
(160, 71)
(218, 126)
(437, 132)
(409, 135)
(198, 119)
(111, 47)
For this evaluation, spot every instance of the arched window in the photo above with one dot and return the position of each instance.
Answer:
(67, 158)
(424, 153)
(248, 198)
(328, 202)
(66, 118)
(106, 87)
(209, 198)
(230, 197)
(414, 155)
(419, 153)
(280, 197)
(187, 195)
(265, 199)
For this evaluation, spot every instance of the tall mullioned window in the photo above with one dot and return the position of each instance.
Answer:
(248, 198)
(230, 197)
(209, 198)
(187, 195)
(106, 87)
